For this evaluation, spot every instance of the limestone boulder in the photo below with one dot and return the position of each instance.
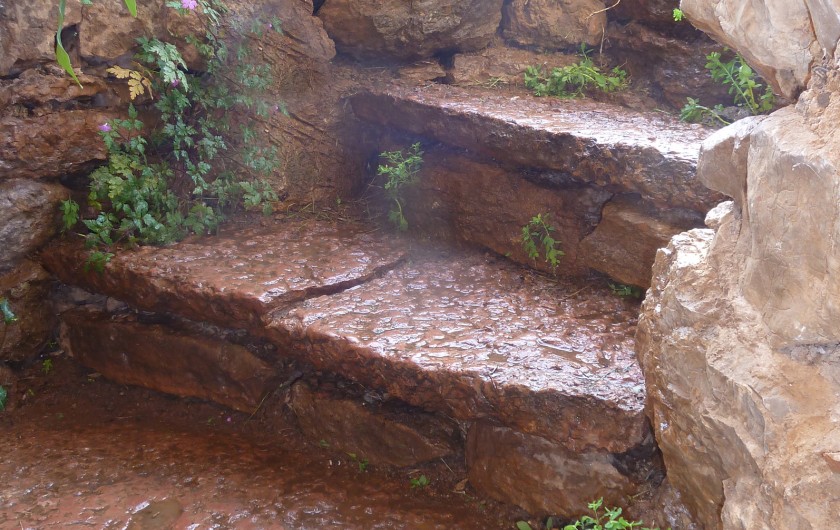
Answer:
(395, 29)
(724, 157)
(26, 288)
(790, 272)
(29, 217)
(738, 336)
(779, 38)
(552, 24)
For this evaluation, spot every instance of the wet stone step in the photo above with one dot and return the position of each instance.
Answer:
(232, 280)
(477, 337)
(596, 144)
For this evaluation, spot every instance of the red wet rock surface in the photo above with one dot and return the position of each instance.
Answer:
(235, 278)
(591, 143)
(476, 336)
(83, 452)
(453, 331)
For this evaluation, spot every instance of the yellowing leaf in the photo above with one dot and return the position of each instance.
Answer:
(119, 72)
(135, 88)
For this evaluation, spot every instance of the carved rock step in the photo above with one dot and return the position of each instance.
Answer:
(594, 144)
(234, 279)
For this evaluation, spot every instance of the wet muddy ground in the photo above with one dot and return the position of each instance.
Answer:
(81, 452)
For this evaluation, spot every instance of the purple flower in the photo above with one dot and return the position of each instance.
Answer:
(176, 82)
(270, 26)
(105, 127)
(189, 4)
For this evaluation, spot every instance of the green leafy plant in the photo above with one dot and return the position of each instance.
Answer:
(4, 396)
(678, 14)
(419, 482)
(549, 525)
(574, 80)
(47, 366)
(694, 112)
(198, 163)
(746, 91)
(536, 235)
(400, 171)
(626, 291)
(609, 519)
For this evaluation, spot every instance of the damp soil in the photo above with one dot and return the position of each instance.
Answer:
(80, 451)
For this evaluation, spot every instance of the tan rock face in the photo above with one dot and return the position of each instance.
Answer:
(777, 37)
(554, 24)
(410, 30)
(156, 357)
(738, 335)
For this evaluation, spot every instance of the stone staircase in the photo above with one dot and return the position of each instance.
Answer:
(442, 349)
(617, 183)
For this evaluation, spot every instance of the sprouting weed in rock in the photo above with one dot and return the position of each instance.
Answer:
(678, 15)
(401, 171)
(536, 235)
(361, 462)
(47, 366)
(419, 482)
(609, 519)
(4, 396)
(744, 87)
(200, 162)
(626, 291)
(574, 80)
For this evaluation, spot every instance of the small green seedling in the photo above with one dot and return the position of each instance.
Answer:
(626, 291)
(361, 462)
(678, 15)
(537, 234)
(419, 482)
(47, 366)
(610, 519)
(4, 396)
(401, 171)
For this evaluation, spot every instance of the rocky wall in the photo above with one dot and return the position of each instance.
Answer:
(738, 335)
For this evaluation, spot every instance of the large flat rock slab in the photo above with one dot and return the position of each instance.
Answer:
(585, 142)
(472, 338)
(233, 279)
